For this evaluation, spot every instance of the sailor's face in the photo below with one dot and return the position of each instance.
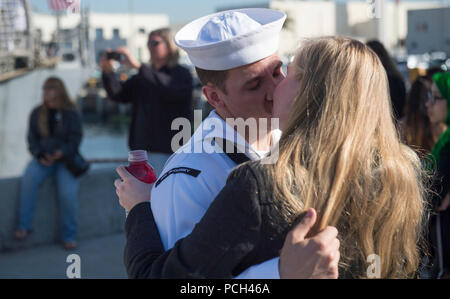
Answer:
(250, 89)
(284, 96)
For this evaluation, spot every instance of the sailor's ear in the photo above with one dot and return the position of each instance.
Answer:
(213, 95)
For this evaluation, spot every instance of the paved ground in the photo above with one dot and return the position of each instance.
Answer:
(99, 258)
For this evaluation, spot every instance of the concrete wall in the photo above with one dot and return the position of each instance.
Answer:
(99, 212)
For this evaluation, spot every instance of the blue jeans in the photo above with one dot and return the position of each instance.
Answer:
(32, 179)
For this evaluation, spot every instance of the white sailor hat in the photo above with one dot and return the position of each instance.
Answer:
(232, 38)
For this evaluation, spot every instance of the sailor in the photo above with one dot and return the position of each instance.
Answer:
(235, 55)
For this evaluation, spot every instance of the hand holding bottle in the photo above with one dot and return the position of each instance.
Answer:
(137, 180)
(130, 190)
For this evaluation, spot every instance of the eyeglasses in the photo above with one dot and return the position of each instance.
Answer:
(433, 99)
(154, 43)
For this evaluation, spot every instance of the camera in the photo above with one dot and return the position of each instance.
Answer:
(114, 55)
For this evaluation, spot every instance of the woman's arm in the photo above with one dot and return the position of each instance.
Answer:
(118, 91)
(33, 135)
(226, 234)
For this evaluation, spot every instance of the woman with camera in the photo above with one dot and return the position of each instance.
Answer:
(159, 93)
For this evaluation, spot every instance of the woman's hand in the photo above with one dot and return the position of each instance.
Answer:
(45, 161)
(106, 64)
(314, 257)
(129, 59)
(130, 190)
(445, 203)
(57, 155)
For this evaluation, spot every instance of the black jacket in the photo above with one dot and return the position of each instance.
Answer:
(441, 187)
(157, 97)
(441, 182)
(241, 228)
(67, 134)
(397, 92)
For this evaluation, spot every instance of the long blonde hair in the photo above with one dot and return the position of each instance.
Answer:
(340, 154)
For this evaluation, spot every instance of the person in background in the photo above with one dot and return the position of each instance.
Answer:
(397, 88)
(439, 114)
(430, 73)
(54, 135)
(415, 127)
(159, 93)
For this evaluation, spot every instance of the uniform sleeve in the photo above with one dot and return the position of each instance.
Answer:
(180, 200)
(228, 232)
(265, 270)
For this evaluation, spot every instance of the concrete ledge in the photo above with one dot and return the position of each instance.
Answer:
(99, 212)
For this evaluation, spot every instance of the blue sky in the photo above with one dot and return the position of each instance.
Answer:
(179, 11)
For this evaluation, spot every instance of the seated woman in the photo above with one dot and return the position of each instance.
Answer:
(54, 136)
(339, 154)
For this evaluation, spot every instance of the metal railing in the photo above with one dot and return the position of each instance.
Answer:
(16, 48)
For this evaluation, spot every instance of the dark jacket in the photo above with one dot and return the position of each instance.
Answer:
(441, 183)
(397, 92)
(242, 227)
(441, 187)
(66, 134)
(157, 97)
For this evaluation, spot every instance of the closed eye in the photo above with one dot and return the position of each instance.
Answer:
(256, 86)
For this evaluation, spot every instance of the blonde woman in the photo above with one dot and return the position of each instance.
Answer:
(54, 135)
(339, 154)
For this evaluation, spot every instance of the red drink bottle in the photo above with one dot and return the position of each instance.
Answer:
(139, 167)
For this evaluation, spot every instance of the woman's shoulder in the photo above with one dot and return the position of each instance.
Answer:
(255, 176)
(180, 67)
(72, 112)
(253, 170)
(180, 70)
(446, 148)
(36, 109)
(35, 113)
